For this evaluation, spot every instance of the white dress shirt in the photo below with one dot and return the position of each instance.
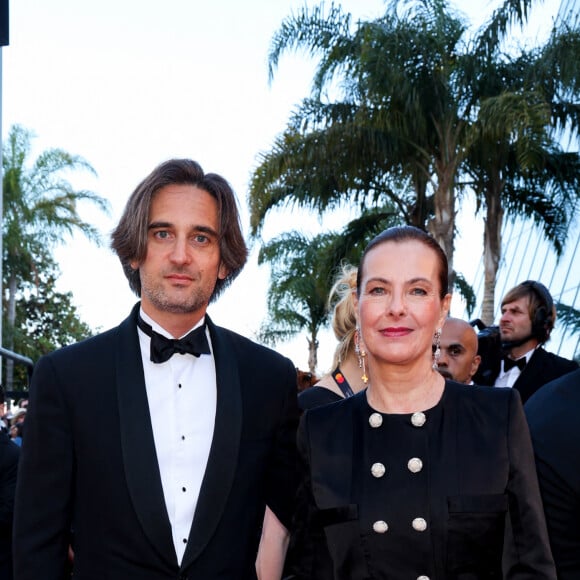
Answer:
(508, 379)
(182, 403)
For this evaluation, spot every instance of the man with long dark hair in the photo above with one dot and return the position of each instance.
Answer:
(160, 442)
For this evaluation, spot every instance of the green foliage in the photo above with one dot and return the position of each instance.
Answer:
(392, 115)
(466, 292)
(569, 317)
(303, 269)
(46, 319)
(300, 269)
(41, 208)
(412, 111)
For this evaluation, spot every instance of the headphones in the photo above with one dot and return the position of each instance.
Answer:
(543, 320)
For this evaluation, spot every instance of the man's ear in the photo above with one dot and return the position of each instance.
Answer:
(475, 365)
(222, 271)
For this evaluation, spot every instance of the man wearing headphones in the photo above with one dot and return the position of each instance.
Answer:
(527, 319)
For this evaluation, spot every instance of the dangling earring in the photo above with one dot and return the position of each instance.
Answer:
(362, 355)
(436, 348)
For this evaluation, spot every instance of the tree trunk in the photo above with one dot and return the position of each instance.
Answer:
(491, 249)
(442, 226)
(312, 353)
(11, 320)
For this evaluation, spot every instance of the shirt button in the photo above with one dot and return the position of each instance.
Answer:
(419, 525)
(418, 419)
(375, 420)
(423, 578)
(185, 540)
(415, 465)
(378, 470)
(380, 527)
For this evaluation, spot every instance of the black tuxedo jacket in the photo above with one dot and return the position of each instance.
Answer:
(553, 418)
(89, 464)
(542, 368)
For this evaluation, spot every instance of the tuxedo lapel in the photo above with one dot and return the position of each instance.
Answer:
(532, 376)
(223, 457)
(138, 445)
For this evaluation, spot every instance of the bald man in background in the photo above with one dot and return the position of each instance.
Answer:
(458, 360)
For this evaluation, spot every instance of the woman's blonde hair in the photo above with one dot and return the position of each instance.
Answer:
(343, 322)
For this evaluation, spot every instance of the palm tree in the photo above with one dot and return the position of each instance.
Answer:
(517, 164)
(400, 120)
(298, 289)
(40, 209)
(303, 269)
(421, 105)
(570, 318)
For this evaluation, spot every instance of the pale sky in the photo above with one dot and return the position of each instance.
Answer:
(130, 83)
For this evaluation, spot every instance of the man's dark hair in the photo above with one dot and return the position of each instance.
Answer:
(129, 238)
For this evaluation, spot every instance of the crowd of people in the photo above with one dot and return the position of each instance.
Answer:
(170, 447)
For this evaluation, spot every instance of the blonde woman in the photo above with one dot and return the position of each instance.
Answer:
(345, 378)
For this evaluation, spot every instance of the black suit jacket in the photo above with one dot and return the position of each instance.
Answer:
(542, 368)
(485, 517)
(9, 454)
(553, 418)
(89, 463)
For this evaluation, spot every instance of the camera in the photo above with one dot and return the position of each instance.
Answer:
(490, 351)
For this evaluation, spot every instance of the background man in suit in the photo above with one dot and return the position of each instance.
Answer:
(161, 454)
(552, 415)
(527, 318)
(458, 359)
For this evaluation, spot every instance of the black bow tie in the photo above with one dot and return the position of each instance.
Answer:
(510, 363)
(163, 348)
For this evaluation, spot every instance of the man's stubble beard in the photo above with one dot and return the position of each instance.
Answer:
(198, 299)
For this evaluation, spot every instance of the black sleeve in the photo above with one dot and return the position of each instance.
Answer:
(527, 553)
(282, 476)
(308, 554)
(42, 513)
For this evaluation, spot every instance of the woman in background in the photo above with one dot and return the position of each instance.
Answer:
(345, 378)
(416, 477)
